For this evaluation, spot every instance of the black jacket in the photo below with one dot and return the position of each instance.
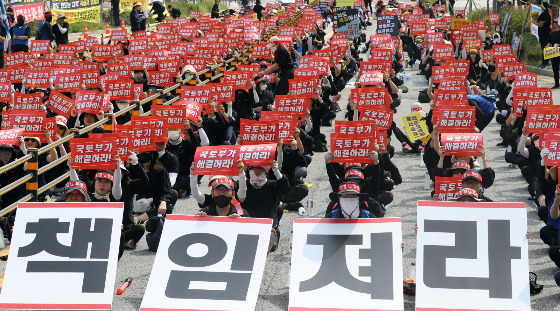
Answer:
(129, 189)
(59, 37)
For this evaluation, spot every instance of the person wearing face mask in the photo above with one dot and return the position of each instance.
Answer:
(19, 33)
(553, 39)
(350, 203)
(134, 181)
(205, 200)
(215, 125)
(283, 64)
(106, 184)
(84, 120)
(139, 77)
(262, 99)
(488, 43)
(168, 160)
(45, 30)
(544, 22)
(223, 200)
(473, 180)
(8, 155)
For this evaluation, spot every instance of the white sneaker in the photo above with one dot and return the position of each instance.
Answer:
(301, 211)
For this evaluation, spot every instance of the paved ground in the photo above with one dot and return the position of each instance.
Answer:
(273, 296)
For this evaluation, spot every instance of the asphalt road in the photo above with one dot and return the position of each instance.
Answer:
(508, 187)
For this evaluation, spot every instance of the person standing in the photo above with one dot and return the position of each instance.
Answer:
(282, 63)
(554, 40)
(258, 8)
(115, 10)
(158, 8)
(20, 36)
(216, 9)
(543, 22)
(60, 30)
(3, 34)
(137, 18)
(45, 31)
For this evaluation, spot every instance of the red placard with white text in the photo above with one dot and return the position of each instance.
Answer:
(304, 86)
(352, 148)
(31, 101)
(456, 118)
(89, 102)
(156, 123)
(120, 90)
(448, 187)
(462, 144)
(257, 155)
(258, 132)
(11, 137)
(240, 79)
(292, 104)
(381, 117)
(175, 115)
(60, 104)
(216, 160)
(94, 154)
(193, 110)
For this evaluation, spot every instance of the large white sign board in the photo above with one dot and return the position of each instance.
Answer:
(472, 256)
(340, 264)
(63, 256)
(208, 263)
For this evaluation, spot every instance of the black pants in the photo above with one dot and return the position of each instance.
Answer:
(549, 235)
(544, 43)
(158, 8)
(554, 254)
(283, 84)
(555, 66)
(136, 232)
(295, 195)
(20, 48)
(115, 10)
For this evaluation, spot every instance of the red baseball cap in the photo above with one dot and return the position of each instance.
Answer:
(472, 175)
(461, 165)
(228, 183)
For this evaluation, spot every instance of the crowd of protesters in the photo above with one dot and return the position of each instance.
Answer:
(463, 70)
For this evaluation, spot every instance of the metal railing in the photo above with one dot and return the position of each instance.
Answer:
(31, 159)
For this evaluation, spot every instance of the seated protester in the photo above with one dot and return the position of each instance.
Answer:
(74, 191)
(467, 195)
(215, 125)
(549, 233)
(263, 194)
(473, 180)
(484, 110)
(169, 161)
(242, 106)
(159, 188)
(289, 159)
(487, 44)
(184, 150)
(261, 98)
(350, 203)
(205, 200)
(476, 70)
(106, 184)
(223, 193)
(43, 159)
(134, 181)
(415, 51)
(527, 158)
(85, 120)
(8, 154)
(545, 187)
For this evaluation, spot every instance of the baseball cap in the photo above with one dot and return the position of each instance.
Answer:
(76, 185)
(348, 188)
(354, 174)
(473, 51)
(460, 165)
(61, 120)
(467, 192)
(224, 181)
(104, 175)
(272, 41)
(349, 165)
(61, 15)
(472, 175)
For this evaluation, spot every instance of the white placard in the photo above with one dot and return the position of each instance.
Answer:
(337, 265)
(63, 256)
(208, 263)
(472, 256)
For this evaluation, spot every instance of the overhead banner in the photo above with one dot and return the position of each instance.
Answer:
(325, 258)
(208, 263)
(78, 10)
(472, 256)
(33, 11)
(51, 254)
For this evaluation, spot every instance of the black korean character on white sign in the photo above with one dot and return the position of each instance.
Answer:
(357, 259)
(209, 263)
(472, 256)
(65, 253)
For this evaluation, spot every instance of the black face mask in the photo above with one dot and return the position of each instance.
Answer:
(20, 22)
(222, 200)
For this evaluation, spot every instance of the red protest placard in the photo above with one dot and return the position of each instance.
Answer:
(381, 117)
(119, 36)
(37, 78)
(94, 154)
(175, 115)
(258, 132)
(540, 119)
(352, 148)
(447, 187)
(443, 51)
(261, 51)
(320, 64)
(122, 69)
(304, 86)
(201, 94)
(40, 46)
(382, 54)
(62, 58)
(355, 127)
(240, 79)
(462, 144)
(134, 61)
(379, 65)
(31, 121)
(511, 70)
(456, 118)
(60, 104)
(89, 102)
(453, 84)
(169, 65)
(69, 82)
(31, 101)
(5, 92)
(552, 143)
(502, 59)
(449, 95)
(501, 49)
(295, 105)
(474, 43)
(525, 79)
(305, 73)
(370, 97)
(90, 78)
(122, 140)
(216, 160)
(120, 90)
(141, 139)
(371, 78)
(157, 124)
(160, 78)
(193, 110)
(494, 18)
(257, 155)
(10, 137)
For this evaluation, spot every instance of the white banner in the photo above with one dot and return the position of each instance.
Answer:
(341, 264)
(63, 256)
(208, 263)
(472, 256)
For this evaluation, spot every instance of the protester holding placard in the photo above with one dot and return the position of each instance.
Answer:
(350, 203)
(8, 154)
(553, 40)
(106, 183)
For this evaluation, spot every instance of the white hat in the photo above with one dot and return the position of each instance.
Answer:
(61, 15)
(272, 41)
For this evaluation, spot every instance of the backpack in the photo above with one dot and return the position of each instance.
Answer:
(423, 97)
(534, 287)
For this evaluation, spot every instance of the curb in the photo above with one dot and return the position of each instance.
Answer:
(538, 71)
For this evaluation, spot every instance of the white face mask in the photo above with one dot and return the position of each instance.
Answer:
(174, 135)
(350, 207)
(496, 41)
(161, 153)
(258, 180)
(122, 105)
(274, 48)
(263, 87)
